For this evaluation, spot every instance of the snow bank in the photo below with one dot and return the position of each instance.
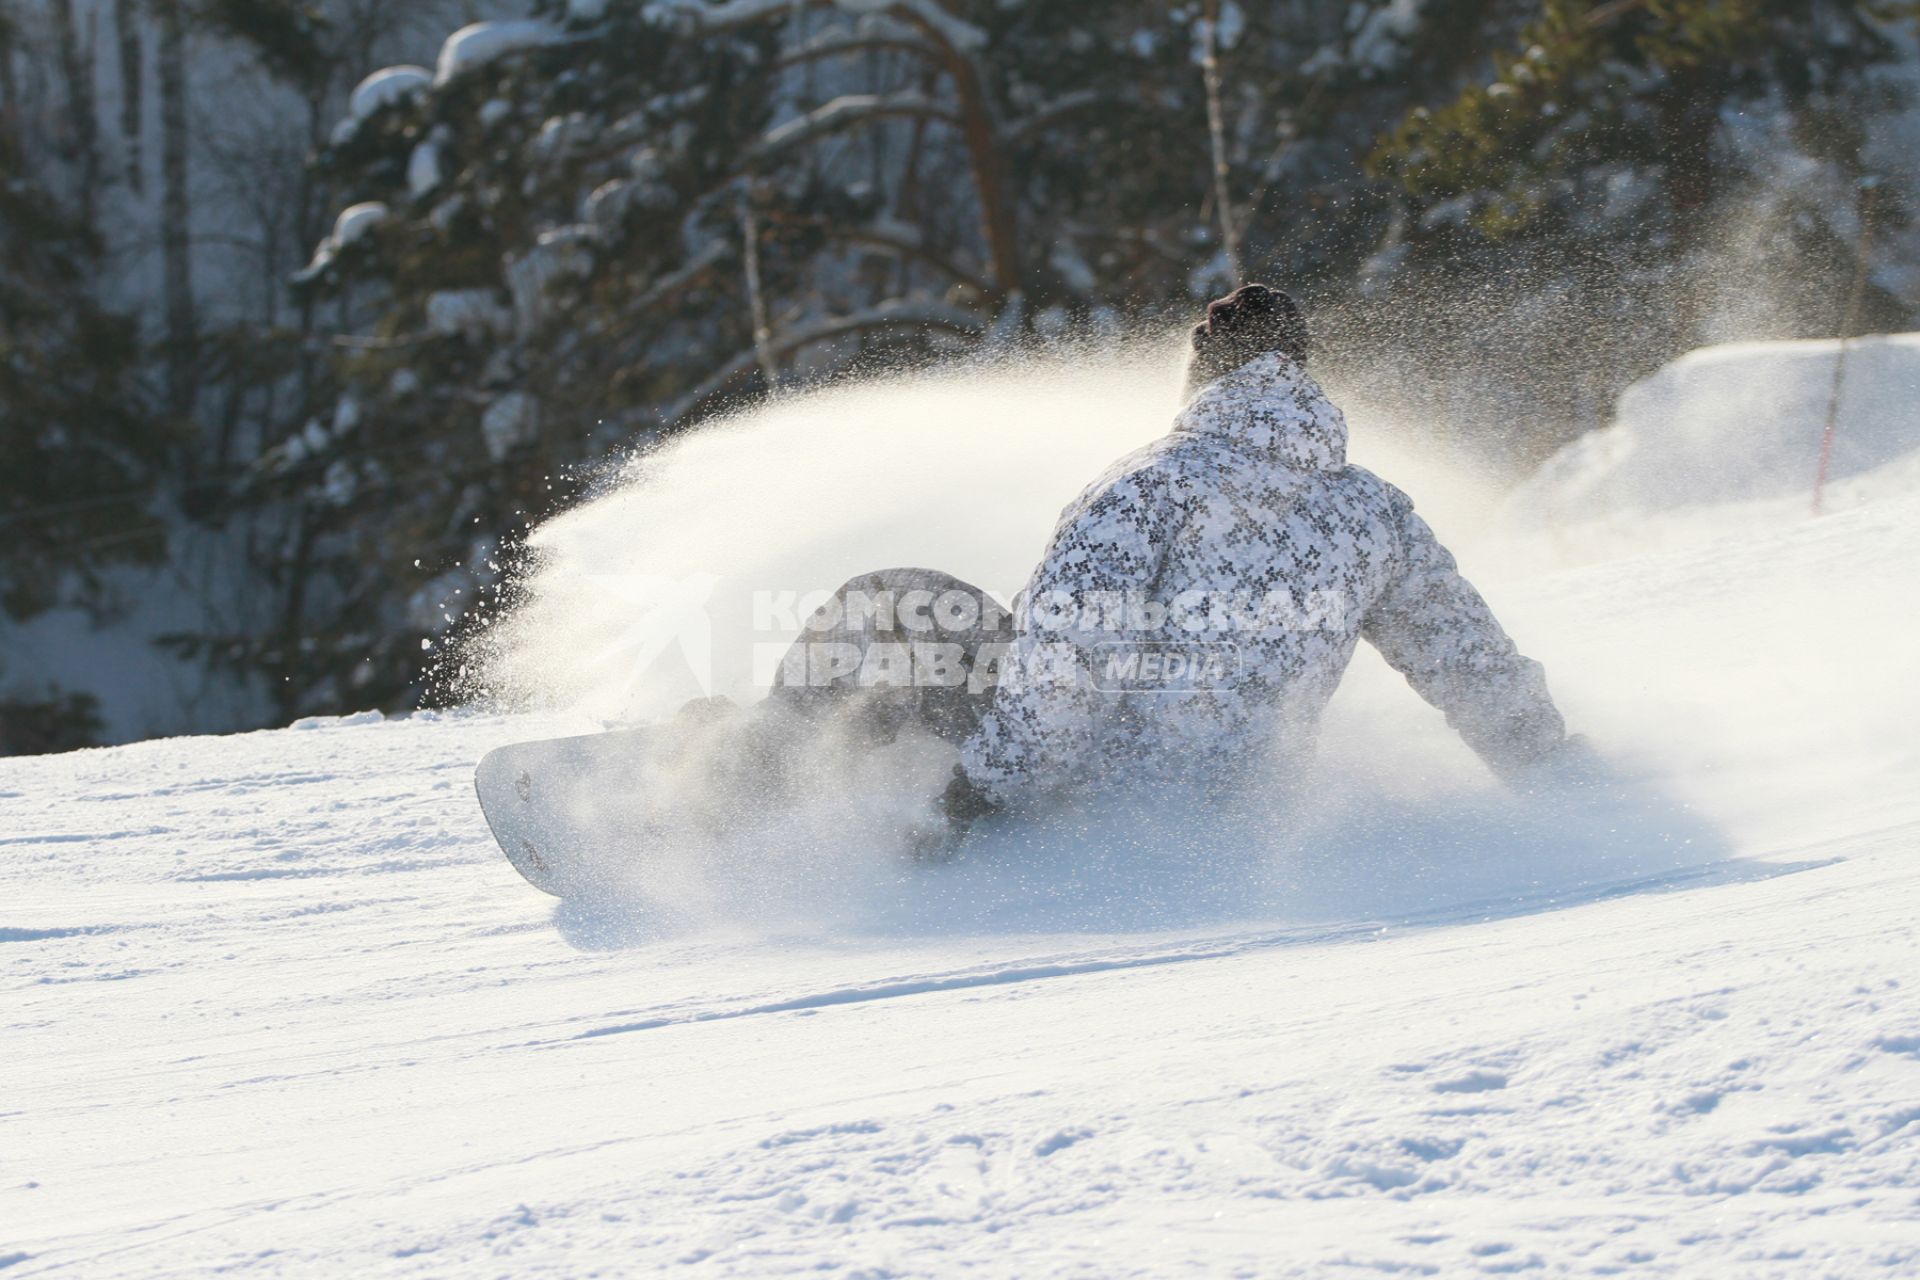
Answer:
(1725, 440)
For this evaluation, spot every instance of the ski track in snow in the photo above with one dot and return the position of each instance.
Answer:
(276, 1006)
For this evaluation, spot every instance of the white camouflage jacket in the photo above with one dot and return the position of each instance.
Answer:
(1270, 557)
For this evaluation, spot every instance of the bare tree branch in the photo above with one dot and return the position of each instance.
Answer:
(846, 112)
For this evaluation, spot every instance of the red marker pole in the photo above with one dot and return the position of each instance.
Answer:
(1848, 324)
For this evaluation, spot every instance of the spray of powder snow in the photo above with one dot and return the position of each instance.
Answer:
(966, 471)
(694, 568)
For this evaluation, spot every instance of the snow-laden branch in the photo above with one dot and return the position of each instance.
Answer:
(835, 44)
(898, 313)
(847, 111)
(956, 34)
(385, 87)
(353, 224)
(480, 43)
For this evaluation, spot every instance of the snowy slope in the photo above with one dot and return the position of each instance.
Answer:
(275, 1006)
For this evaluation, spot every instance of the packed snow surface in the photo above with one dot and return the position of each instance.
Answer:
(279, 1007)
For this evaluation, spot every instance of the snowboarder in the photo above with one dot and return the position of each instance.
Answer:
(1244, 542)
(1193, 614)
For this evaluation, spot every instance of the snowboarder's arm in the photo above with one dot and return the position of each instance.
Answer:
(1433, 628)
(1038, 734)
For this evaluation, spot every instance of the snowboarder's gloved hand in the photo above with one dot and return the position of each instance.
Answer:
(960, 806)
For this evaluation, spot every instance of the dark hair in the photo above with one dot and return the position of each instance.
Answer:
(1246, 324)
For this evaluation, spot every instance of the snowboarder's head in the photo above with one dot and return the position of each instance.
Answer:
(1246, 324)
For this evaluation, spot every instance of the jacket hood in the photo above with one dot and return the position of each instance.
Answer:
(1271, 407)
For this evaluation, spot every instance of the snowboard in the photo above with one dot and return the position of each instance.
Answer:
(558, 807)
(575, 814)
(581, 815)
